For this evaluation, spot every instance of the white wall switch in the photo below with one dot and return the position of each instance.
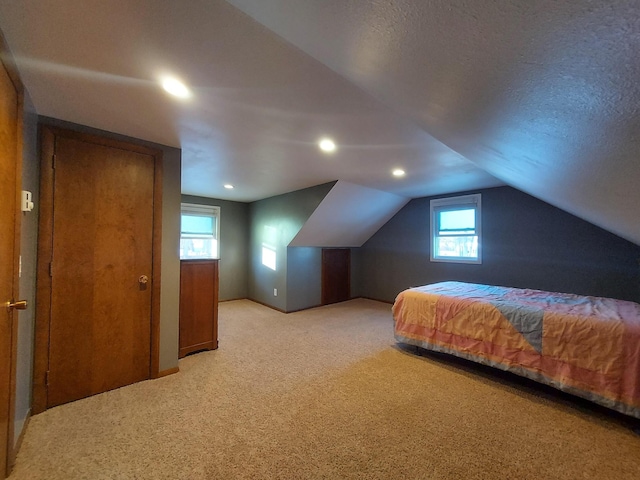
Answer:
(27, 204)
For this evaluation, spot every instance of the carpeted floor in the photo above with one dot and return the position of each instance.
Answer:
(327, 394)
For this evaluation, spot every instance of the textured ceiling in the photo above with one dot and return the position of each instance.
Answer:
(544, 95)
(541, 95)
(348, 216)
(259, 104)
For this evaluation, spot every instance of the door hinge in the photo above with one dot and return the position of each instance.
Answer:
(51, 269)
(53, 161)
(46, 378)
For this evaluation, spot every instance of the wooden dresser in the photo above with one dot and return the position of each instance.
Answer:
(198, 306)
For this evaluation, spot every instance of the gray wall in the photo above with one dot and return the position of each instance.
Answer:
(285, 214)
(526, 243)
(170, 269)
(234, 246)
(28, 254)
(304, 278)
(297, 276)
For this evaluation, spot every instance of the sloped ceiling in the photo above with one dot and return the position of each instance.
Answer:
(543, 95)
(259, 104)
(348, 216)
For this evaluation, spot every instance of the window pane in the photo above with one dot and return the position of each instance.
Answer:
(456, 228)
(457, 221)
(198, 247)
(198, 224)
(462, 247)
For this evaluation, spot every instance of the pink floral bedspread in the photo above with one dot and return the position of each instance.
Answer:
(588, 346)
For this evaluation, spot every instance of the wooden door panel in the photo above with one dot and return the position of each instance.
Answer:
(102, 243)
(8, 229)
(198, 306)
(336, 275)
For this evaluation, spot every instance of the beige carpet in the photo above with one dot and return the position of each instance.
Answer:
(326, 394)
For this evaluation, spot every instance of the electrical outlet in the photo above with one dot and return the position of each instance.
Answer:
(275, 292)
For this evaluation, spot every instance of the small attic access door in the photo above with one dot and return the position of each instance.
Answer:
(336, 275)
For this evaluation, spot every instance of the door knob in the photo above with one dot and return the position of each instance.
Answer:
(143, 280)
(19, 305)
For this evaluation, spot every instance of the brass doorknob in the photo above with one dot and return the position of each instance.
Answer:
(143, 280)
(19, 305)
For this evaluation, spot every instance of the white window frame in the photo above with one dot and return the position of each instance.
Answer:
(456, 203)
(202, 210)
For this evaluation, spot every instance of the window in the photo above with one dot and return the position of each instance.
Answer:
(199, 231)
(456, 229)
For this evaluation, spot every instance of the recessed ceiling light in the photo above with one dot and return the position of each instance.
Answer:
(228, 186)
(175, 87)
(398, 172)
(327, 145)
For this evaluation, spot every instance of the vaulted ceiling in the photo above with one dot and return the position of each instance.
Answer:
(461, 94)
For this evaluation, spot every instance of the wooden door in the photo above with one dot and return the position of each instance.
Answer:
(101, 223)
(198, 306)
(9, 241)
(336, 275)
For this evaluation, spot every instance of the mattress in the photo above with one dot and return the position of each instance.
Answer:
(587, 346)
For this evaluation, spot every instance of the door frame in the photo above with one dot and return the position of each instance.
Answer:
(8, 63)
(45, 248)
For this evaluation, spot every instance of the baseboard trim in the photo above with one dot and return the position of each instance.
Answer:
(314, 306)
(233, 299)
(303, 309)
(266, 305)
(168, 371)
(13, 452)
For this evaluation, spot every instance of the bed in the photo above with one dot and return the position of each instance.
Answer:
(587, 346)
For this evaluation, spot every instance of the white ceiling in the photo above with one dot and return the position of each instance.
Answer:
(348, 216)
(259, 105)
(462, 94)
